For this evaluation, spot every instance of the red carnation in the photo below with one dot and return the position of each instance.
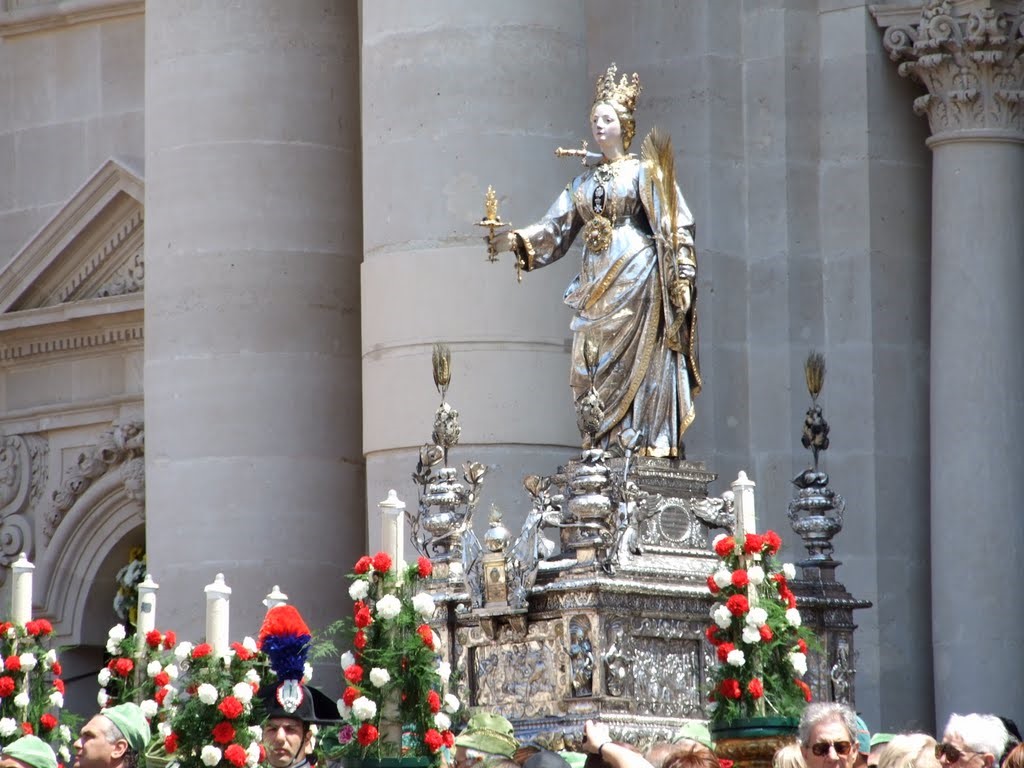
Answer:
(58, 684)
(789, 597)
(766, 633)
(160, 695)
(12, 664)
(4, 627)
(263, 754)
(712, 586)
(235, 755)
(123, 667)
(171, 743)
(170, 640)
(740, 578)
(154, 638)
(449, 739)
(47, 722)
(724, 650)
(366, 735)
(363, 617)
(801, 644)
(803, 687)
(223, 732)
(755, 688)
(241, 652)
(230, 707)
(359, 641)
(780, 579)
(382, 562)
(354, 673)
(725, 762)
(725, 546)
(772, 541)
(363, 564)
(434, 702)
(737, 605)
(201, 650)
(350, 695)
(424, 567)
(161, 679)
(6, 686)
(730, 688)
(57, 668)
(753, 543)
(426, 635)
(433, 739)
(26, 728)
(711, 633)
(37, 627)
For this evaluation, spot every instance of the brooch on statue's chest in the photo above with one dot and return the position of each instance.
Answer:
(597, 234)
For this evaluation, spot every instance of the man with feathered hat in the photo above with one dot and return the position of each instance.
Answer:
(291, 707)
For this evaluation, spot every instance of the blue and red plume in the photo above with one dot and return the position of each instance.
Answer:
(285, 638)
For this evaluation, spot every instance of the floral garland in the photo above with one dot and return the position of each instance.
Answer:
(213, 722)
(31, 689)
(146, 679)
(395, 680)
(757, 632)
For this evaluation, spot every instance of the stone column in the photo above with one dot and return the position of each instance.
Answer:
(968, 56)
(253, 240)
(511, 86)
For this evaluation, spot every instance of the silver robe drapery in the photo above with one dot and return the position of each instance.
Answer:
(646, 379)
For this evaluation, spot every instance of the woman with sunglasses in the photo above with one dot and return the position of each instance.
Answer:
(828, 735)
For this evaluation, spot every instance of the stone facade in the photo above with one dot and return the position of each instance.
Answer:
(309, 174)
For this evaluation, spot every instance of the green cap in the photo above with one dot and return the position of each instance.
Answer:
(490, 733)
(882, 738)
(32, 751)
(695, 731)
(132, 723)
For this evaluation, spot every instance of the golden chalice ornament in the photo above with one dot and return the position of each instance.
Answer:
(493, 221)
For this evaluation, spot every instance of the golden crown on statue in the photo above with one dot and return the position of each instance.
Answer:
(624, 92)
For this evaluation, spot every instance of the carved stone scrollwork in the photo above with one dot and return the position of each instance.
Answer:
(968, 56)
(122, 447)
(22, 477)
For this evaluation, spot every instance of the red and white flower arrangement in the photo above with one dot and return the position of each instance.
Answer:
(757, 633)
(146, 678)
(31, 688)
(395, 701)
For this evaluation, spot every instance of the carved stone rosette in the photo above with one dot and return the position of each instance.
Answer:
(968, 56)
(22, 477)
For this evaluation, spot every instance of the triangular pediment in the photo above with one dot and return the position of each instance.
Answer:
(92, 248)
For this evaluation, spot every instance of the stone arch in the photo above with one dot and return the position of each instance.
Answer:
(103, 521)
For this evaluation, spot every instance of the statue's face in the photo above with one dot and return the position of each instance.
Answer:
(605, 125)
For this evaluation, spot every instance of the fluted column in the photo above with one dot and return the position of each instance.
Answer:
(252, 324)
(509, 87)
(968, 56)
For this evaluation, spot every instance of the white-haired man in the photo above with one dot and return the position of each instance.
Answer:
(972, 741)
(828, 735)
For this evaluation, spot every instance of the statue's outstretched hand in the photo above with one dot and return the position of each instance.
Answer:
(499, 242)
(680, 293)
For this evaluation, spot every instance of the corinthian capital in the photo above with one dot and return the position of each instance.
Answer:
(967, 53)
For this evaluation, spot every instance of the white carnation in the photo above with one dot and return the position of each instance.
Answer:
(252, 676)
(249, 644)
(256, 732)
(344, 710)
(242, 692)
(172, 671)
(364, 708)
(252, 754)
(164, 729)
(113, 647)
(756, 616)
(789, 570)
(751, 635)
(718, 538)
(307, 672)
(799, 662)
(736, 658)
(379, 677)
(64, 731)
(57, 700)
(722, 577)
(444, 671)
(103, 677)
(117, 633)
(64, 752)
(28, 661)
(722, 616)
(207, 693)
(793, 617)
(102, 698)
(423, 604)
(12, 634)
(154, 668)
(21, 700)
(358, 590)
(183, 651)
(756, 575)
(347, 659)
(149, 708)
(211, 755)
(8, 725)
(451, 704)
(442, 722)
(50, 659)
(388, 607)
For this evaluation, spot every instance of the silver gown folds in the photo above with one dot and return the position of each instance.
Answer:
(647, 373)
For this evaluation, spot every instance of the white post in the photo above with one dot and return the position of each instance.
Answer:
(275, 598)
(21, 590)
(746, 522)
(146, 620)
(392, 529)
(218, 602)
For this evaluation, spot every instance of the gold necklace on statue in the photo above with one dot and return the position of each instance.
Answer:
(598, 233)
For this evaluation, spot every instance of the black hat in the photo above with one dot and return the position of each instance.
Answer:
(314, 705)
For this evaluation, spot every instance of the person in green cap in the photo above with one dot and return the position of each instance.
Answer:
(486, 735)
(28, 752)
(115, 738)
